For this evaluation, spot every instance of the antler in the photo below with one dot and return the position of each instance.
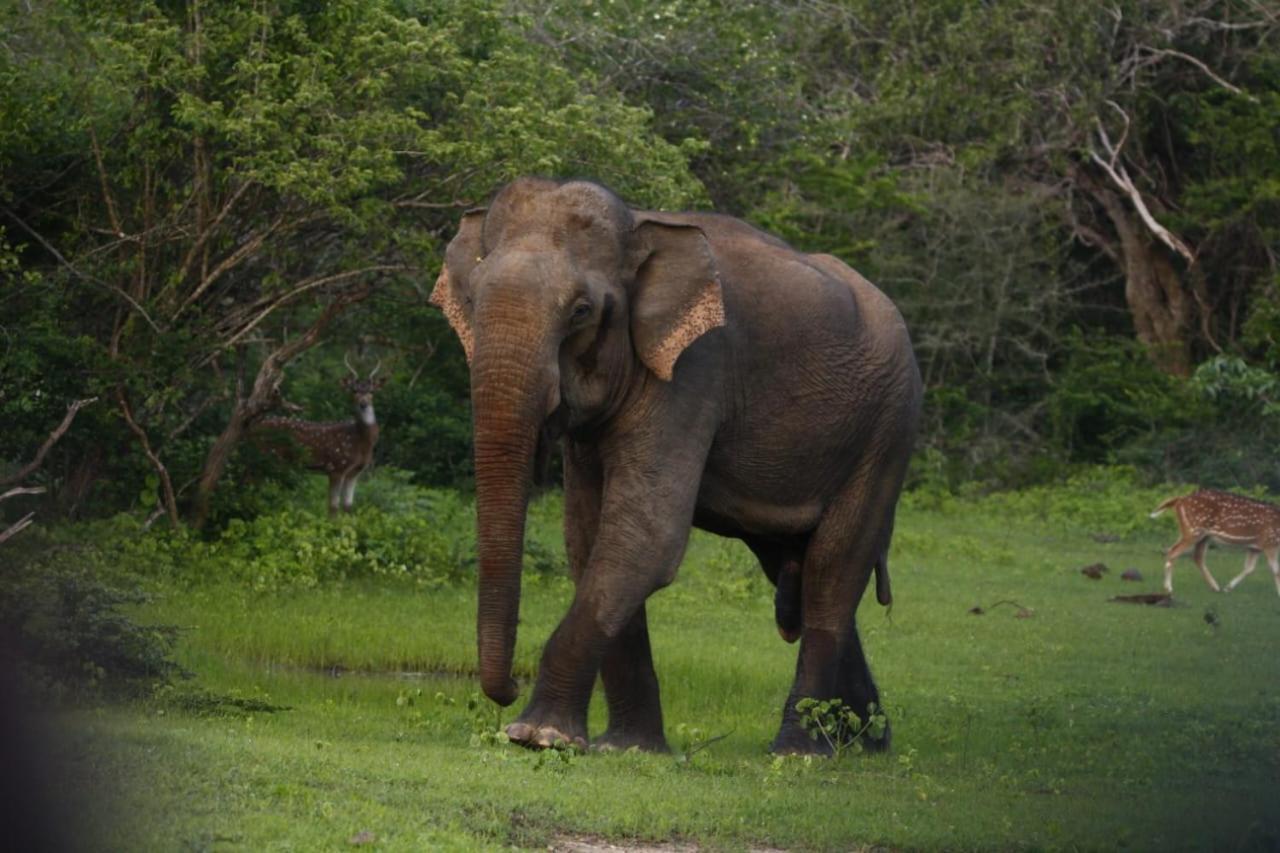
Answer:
(375, 368)
(346, 359)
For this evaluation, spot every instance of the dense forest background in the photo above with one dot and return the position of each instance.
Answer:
(205, 207)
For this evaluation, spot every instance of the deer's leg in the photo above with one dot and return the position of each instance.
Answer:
(349, 490)
(1273, 560)
(335, 493)
(1201, 547)
(1176, 550)
(1250, 562)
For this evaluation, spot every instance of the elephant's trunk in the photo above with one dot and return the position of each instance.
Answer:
(508, 394)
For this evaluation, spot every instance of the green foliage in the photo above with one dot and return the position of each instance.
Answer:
(1237, 389)
(400, 533)
(723, 87)
(838, 726)
(293, 548)
(199, 183)
(1109, 395)
(1098, 500)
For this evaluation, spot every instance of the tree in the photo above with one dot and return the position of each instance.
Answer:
(222, 183)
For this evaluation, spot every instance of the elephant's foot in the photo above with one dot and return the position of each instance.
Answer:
(792, 740)
(544, 737)
(621, 739)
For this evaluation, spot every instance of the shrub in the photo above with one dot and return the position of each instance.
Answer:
(66, 634)
(399, 531)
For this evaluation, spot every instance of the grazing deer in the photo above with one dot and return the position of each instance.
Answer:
(340, 449)
(1229, 519)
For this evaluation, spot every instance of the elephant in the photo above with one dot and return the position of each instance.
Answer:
(701, 373)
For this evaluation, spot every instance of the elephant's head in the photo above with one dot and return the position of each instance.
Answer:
(565, 302)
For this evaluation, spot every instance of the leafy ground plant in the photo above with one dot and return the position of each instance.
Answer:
(838, 726)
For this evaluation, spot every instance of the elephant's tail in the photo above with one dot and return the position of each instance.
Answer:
(883, 594)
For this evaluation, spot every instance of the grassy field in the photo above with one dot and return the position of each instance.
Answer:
(1060, 721)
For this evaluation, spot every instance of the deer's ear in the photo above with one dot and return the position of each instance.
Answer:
(676, 296)
(452, 293)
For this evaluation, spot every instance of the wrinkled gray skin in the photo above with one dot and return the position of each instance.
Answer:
(700, 372)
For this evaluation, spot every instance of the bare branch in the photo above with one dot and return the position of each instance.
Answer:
(170, 502)
(23, 490)
(1210, 24)
(58, 256)
(106, 188)
(1186, 57)
(17, 527)
(202, 239)
(230, 262)
(49, 442)
(1120, 177)
(309, 284)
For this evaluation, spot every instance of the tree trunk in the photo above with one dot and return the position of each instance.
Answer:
(1160, 302)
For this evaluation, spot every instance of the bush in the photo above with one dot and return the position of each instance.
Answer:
(1096, 499)
(65, 634)
(399, 531)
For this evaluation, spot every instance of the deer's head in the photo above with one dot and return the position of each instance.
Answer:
(362, 391)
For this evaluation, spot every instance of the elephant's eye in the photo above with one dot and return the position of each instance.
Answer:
(581, 311)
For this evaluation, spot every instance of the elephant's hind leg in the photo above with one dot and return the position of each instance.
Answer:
(841, 559)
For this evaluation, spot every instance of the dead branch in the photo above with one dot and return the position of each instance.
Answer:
(17, 527)
(106, 187)
(24, 522)
(53, 438)
(202, 239)
(1120, 177)
(1209, 72)
(26, 470)
(23, 490)
(246, 249)
(309, 284)
(61, 259)
(170, 502)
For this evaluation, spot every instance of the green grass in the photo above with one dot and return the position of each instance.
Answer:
(1087, 725)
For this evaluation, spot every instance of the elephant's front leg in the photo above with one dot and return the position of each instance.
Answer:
(639, 538)
(604, 631)
(631, 690)
(557, 712)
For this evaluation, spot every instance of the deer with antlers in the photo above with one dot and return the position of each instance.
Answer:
(1230, 519)
(340, 449)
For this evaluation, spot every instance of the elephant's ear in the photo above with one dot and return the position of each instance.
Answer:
(676, 297)
(452, 293)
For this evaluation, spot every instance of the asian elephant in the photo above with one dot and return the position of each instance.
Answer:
(700, 372)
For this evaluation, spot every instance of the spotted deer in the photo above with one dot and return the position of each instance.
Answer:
(340, 449)
(1226, 518)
